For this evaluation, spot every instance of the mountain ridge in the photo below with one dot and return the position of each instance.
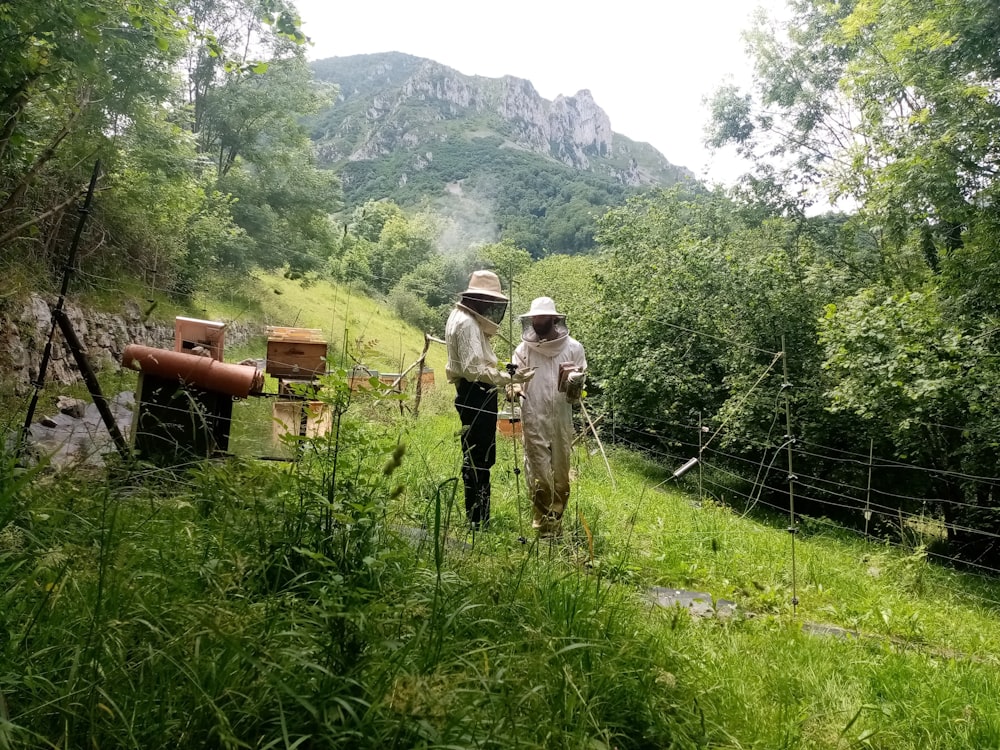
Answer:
(571, 129)
(415, 131)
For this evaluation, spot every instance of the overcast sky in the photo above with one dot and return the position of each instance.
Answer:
(648, 63)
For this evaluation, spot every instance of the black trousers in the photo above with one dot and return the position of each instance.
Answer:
(477, 409)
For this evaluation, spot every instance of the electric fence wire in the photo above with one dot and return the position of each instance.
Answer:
(988, 576)
(859, 505)
(858, 459)
(847, 485)
(886, 463)
(885, 509)
(876, 509)
(824, 390)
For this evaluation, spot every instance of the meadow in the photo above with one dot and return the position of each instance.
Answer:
(339, 601)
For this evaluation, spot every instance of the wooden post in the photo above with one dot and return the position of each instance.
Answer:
(91, 380)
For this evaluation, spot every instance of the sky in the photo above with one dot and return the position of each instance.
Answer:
(649, 64)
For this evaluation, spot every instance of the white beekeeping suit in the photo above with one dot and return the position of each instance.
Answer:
(559, 363)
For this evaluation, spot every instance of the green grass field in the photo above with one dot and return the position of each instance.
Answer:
(338, 601)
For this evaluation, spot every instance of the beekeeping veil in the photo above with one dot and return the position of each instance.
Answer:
(542, 322)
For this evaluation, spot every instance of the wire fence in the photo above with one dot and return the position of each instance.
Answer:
(751, 471)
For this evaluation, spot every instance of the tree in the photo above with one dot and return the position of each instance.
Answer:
(889, 103)
(73, 76)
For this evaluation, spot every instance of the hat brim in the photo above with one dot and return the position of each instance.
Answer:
(486, 293)
(541, 314)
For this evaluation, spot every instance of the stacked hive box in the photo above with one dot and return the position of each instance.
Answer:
(296, 357)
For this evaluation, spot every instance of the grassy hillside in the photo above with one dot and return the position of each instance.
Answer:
(339, 602)
(344, 315)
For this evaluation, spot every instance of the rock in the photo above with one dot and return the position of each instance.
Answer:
(698, 603)
(24, 331)
(63, 441)
(74, 407)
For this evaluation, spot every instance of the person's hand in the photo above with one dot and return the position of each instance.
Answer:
(523, 375)
(514, 392)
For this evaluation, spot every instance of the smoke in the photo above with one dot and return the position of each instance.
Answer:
(465, 217)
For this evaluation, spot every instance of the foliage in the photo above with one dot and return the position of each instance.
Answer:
(380, 245)
(892, 105)
(237, 601)
(82, 81)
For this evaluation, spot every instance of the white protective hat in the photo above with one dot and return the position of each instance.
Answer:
(486, 283)
(542, 306)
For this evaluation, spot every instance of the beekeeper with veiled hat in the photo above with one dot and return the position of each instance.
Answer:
(560, 366)
(472, 367)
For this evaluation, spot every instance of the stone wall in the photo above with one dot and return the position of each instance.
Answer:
(24, 329)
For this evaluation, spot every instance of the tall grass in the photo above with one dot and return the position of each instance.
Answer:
(339, 601)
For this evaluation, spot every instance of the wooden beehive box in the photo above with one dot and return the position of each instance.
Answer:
(390, 378)
(191, 333)
(298, 353)
(360, 377)
(427, 378)
(304, 418)
(507, 426)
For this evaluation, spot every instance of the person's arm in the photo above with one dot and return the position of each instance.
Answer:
(471, 361)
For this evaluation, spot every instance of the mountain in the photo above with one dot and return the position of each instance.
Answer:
(490, 154)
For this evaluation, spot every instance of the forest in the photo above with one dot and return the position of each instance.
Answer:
(824, 337)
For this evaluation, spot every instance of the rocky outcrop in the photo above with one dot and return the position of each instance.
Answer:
(24, 330)
(578, 129)
(572, 129)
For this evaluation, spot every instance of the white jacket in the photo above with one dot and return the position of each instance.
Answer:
(470, 355)
(546, 414)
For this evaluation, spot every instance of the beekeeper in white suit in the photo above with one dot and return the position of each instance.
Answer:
(559, 365)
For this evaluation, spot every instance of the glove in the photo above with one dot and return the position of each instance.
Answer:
(523, 376)
(514, 392)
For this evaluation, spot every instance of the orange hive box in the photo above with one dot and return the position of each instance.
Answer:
(295, 352)
(359, 376)
(427, 377)
(208, 334)
(508, 428)
(391, 377)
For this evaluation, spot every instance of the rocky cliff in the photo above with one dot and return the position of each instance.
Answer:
(391, 101)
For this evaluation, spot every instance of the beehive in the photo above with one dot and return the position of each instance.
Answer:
(509, 426)
(304, 418)
(427, 378)
(390, 378)
(359, 377)
(191, 333)
(296, 353)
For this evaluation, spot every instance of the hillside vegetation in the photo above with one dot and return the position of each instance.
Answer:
(828, 380)
(246, 604)
(339, 600)
(488, 155)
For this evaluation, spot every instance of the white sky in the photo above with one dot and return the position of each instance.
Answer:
(648, 63)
